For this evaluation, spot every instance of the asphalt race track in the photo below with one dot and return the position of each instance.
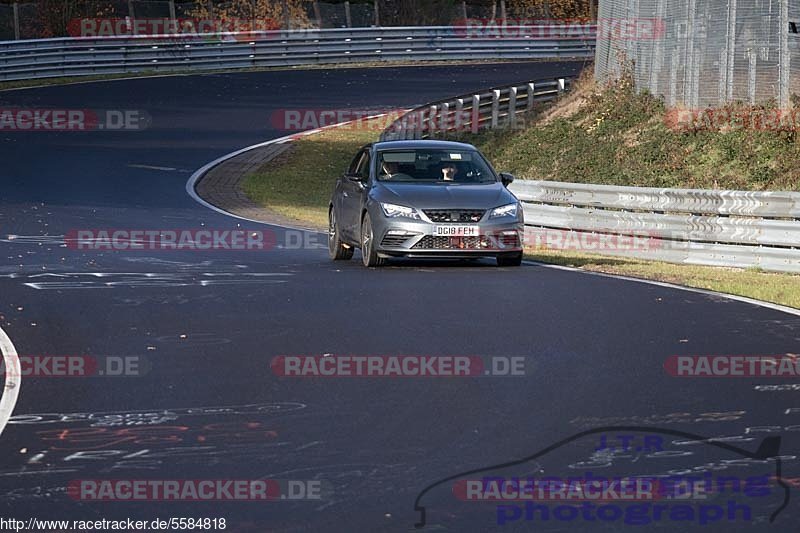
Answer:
(208, 324)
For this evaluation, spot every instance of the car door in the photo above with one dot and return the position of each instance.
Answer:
(342, 192)
(352, 197)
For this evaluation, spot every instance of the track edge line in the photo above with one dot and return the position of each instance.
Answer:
(12, 385)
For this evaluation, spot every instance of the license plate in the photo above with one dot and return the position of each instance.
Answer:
(456, 231)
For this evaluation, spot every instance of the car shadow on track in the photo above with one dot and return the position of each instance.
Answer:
(403, 263)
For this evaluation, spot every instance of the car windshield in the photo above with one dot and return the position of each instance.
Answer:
(434, 166)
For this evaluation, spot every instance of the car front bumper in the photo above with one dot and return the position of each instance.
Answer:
(412, 238)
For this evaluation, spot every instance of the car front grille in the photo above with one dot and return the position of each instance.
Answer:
(454, 215)
(483, 242)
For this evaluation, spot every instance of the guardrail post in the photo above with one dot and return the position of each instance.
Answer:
(431, 122)
(132, 15)
(673, 79)
(377, 13)
(287, 19)
(730, 48)
(416, 127)
(444, 118)
(531, 91)
(512, 107)
(348, 17)
(562, 85)
(495, 107)
(784, 57)
(16, 21)
(318, 13)
(476, 113)
(752, 57)
(459, 111)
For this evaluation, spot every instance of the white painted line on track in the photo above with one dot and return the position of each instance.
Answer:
(707, 292)
(198, 175)
(153, 167)
(12, 384)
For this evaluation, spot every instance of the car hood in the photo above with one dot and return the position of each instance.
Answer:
(440, 196)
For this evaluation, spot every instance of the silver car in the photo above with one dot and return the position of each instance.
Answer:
(423, 199)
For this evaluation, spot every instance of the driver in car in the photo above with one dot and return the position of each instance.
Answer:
(390, 168)
(449, 172)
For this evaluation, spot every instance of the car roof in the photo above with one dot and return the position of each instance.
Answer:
(405, 145)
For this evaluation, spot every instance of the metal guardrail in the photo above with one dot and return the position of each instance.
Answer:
(471, 113)
(724, 228)
(48, 58)
(719, 228)
(702, 227)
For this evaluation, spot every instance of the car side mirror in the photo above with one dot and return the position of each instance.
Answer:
(506, 178)
(357, 178)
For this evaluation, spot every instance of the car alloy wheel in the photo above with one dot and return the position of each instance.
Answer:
(368, 254)
(336, 249)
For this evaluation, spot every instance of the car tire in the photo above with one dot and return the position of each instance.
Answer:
(336, 249)
(368, 254)
(509, 260)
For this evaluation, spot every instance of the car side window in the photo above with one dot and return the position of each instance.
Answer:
(363, 165)
(354, 166)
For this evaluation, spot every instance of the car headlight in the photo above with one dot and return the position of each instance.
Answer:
(396, 211)
(509, 210)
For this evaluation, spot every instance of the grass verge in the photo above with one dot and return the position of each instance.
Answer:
(617, 136)
(300, 183)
